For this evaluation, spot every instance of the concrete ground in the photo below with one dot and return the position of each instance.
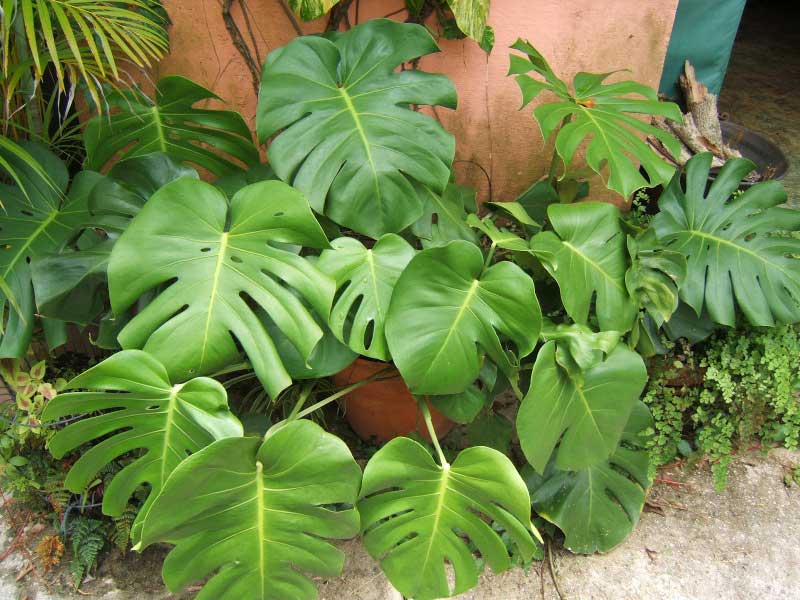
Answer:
(692, 543)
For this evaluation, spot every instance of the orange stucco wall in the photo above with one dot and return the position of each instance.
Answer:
(592, 35)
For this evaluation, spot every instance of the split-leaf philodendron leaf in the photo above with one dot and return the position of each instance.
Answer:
(605, 115)
(586, 255)
(416, 515)
(597, 507)
(587, 417)
(447, 313)
(209, 272)
(349, 140)
(365, 279)
(737, 251)
(38, 217)
(254, 517)
(139, 408)
(217, 140)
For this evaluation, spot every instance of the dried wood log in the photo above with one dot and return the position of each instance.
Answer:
(703, 109)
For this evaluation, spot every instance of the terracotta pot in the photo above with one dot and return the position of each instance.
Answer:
(383, 410)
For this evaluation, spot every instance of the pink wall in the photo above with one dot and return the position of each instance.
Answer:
(599, 35)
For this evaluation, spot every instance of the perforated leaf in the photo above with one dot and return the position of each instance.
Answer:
(737, 248)
(604, 117)
(208, 273)
(417, 516)
(597, 507)
(139, 409)
(365, 279)
(350, 141)
(217, 140)
(255, 517)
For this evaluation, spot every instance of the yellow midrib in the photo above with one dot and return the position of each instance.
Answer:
(361, 134)
(437, 514)
(374, 277)
(162, 142)
(260, 528)
(168, 426)
(223, 246)
(594, 264)
(462, 309)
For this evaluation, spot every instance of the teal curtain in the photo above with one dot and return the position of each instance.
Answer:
(703, 32)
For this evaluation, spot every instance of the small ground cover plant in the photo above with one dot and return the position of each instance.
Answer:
(355, 242)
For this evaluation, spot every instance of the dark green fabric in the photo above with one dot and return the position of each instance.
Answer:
(703, 32)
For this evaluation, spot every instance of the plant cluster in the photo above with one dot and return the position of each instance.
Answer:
(37, 481)
(741, 388)
(355, 241)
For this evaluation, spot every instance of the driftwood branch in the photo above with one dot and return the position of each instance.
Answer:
(701, 130)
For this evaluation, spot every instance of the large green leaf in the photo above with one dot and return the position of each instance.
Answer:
(350, 140)
(254, 516)
(365, 279)
(37, 219)
(418, 517)
(139, 409)
(212, 139)
(737, 249)
(597, 507)
(603, 114)
(587, 416)
(212, 275)
(471, 16)
(446, 314)
(586, 255)
(71, 285)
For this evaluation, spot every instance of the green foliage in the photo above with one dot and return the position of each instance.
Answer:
(597, 507)
(448, 311)
(417, 515)
(88, 538)
(736, 255)
(603, 115)
(218, 140)
(227, 261)
(348, 139)
(748, 395)
(138, 408)
(257, 515)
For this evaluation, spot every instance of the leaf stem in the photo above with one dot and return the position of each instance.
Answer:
(305, 392)
(489, 257)
(515, 388)
(426, 414)
(551, 174)
(343, 392)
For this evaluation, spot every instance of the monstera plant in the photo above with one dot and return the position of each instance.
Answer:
(357, 243)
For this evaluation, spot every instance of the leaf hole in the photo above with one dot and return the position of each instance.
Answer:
(205, 249)
(236, 259)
